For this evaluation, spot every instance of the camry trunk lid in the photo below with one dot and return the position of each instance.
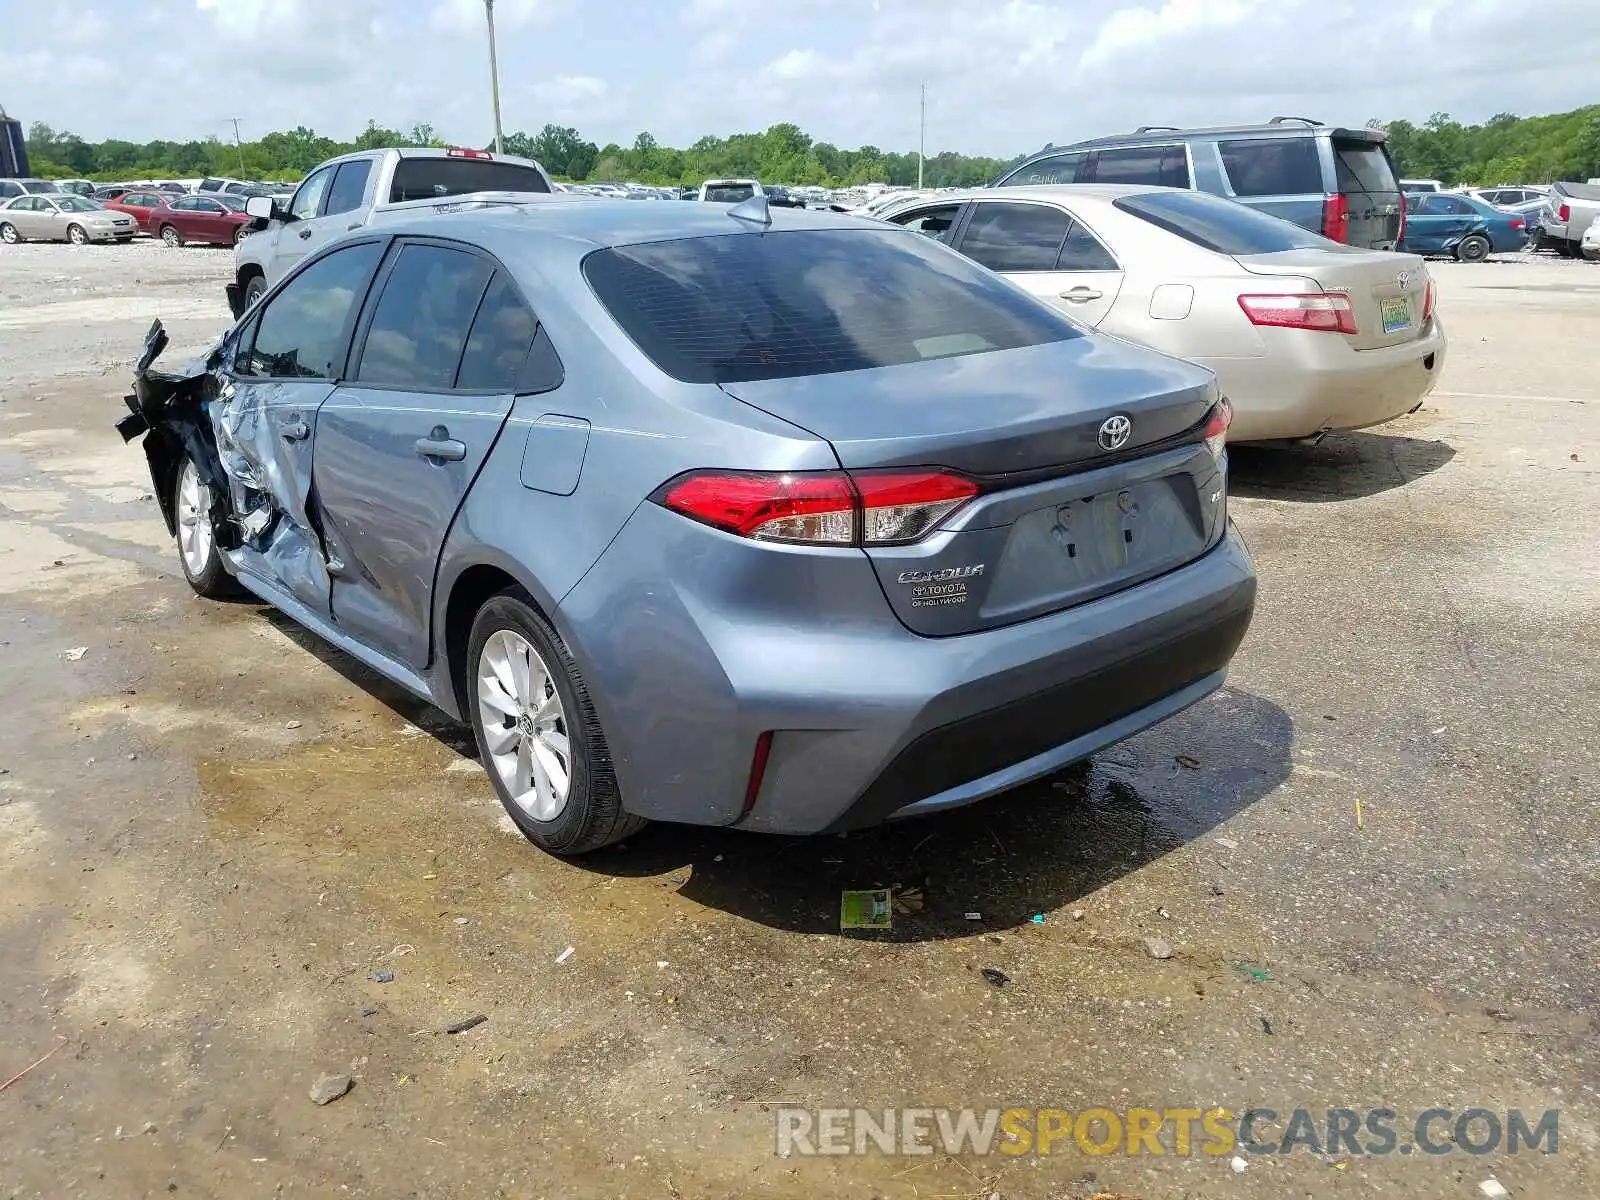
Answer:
(1388, 292)
(1088, 455)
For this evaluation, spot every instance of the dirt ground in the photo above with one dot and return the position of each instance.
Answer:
(1375, 854)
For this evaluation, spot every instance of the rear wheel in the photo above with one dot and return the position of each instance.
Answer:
(197, 546)
(239, 234)
(171, 236)
(9, 234)
(77, 235)
(1473, 248)
(537, 731)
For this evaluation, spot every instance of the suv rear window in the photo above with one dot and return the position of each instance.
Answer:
(430, 178)
(1272, 166)
(1363, 167)
(731, 193)
(1219, 224)
(745, 306)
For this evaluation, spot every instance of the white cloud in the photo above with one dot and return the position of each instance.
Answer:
(797, 64)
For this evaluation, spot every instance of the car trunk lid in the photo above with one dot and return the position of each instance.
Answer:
(1073, 504)
(1387, 291)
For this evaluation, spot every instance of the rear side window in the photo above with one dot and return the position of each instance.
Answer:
(1220, 225)
(1272, 166)
(349, 186)
(301, 334)
(1082, 251)
(430, 178)
(931, 222)
(1059, 168)
(1157, 166)
(746, 306)
(1015, 237)
(498, 344)
(1363, 167)
(420, 325)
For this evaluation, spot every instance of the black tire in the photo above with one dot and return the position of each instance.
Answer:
(170, 235)
(593, 815)
(254, 289)
(240, 234)
(9, 234)
(77, 235)
(208, 578)
(1473, 248)
(1567, 249)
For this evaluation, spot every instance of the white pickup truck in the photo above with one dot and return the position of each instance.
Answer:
(1569, 212)
(354, 190)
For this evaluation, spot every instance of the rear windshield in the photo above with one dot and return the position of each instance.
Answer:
(1363, 167)
(1272, 166)
(430, 178)
(732, 193)
(745, 306)
(1220, 225)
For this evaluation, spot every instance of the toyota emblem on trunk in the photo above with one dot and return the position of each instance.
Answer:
(1114, 432)
(1403, 279)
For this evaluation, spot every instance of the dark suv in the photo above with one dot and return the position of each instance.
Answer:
(1336, 182)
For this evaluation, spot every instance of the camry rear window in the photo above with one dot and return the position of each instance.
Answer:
(1218, 224)
(746, 306)
(430, 178)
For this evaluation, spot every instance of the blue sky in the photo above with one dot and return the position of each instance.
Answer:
(1003, 76)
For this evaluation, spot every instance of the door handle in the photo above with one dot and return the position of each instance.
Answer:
(1081, 295)
(305, 233)
(349, 228)
(296, 431)
(439, 444)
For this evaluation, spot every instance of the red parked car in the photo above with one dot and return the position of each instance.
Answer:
(220, 220)
(138, 203)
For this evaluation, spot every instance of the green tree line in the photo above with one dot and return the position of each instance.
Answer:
(1505, 149)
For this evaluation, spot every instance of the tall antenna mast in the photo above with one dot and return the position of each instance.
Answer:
(238, 144)
(494, 79)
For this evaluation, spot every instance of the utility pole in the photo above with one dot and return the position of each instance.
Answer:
(494, 79)
(922, 136)
(238, 144)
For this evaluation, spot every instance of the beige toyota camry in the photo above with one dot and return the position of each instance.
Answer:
(1306, 335)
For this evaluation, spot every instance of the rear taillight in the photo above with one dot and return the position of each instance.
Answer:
(1428, 298)
(1328, 312)
(1400, 237)
(820, 508)
(1215, 433)
(1563, 214)
(1336, 218)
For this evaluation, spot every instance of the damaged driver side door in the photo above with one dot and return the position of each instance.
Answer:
(287, 362)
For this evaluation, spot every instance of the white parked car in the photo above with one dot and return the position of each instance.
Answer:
(730, 191)
(1305, 335)
(1591, 241)
(62, 217)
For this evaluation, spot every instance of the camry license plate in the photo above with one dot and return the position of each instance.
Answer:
(1396, 311)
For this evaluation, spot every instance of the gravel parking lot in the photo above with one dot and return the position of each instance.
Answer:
(1375, 855)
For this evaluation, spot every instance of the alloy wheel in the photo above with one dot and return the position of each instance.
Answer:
(195, 541)
(524, 725)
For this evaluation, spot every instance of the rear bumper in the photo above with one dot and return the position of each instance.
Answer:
(1322, 384)
(871, 722)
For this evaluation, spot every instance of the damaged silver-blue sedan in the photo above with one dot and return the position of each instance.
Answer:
(779, 520)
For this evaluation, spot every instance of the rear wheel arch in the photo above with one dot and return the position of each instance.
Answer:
(472, 588)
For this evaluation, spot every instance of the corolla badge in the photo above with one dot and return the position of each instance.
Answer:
(1115, 432)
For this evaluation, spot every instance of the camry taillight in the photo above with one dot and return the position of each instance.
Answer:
(1336, 218)
(820, 508)
(1329, 312)
(1215, 433)
(1428, 299)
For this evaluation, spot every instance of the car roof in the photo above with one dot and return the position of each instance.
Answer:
(1157, 135)
(1048, 191)
(599, 223)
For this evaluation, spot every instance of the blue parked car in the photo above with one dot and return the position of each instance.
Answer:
(1462, 226)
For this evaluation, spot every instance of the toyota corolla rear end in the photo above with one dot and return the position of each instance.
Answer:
(1332, 337)
(1015, 553)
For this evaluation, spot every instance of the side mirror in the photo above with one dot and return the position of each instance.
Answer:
(260, 207)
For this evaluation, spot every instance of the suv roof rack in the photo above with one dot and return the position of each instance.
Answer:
(1302, 120)
(1157, 129)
